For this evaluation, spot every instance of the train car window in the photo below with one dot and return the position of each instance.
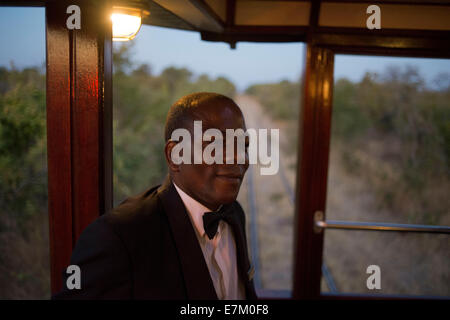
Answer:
(24, 225)
(389, 163)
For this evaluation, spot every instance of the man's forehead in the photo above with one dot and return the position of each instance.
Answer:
(237, 133)
(217, 106)
(222, 115)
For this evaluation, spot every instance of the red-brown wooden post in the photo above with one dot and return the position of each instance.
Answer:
(79, 125)
(314, 140)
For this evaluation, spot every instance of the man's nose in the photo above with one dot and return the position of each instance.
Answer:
(238, 154)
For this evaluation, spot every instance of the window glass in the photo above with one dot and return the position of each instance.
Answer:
(24, 241)
(390, 162)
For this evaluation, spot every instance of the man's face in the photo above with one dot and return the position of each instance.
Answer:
(215, 184)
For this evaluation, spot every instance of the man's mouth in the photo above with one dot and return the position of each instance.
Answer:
(230, 177)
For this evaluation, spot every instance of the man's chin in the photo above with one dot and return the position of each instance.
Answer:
(227, 198)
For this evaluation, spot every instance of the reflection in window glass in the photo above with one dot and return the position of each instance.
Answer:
(390, 162)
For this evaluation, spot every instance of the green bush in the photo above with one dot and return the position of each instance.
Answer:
(281, 100)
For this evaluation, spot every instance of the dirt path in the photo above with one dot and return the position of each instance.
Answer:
(274, 211)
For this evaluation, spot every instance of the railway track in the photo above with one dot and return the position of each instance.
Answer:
(254, 241)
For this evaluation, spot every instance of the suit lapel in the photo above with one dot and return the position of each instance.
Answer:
(198, 282)
(242, 254)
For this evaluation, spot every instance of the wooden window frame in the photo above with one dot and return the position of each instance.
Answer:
(79, 126)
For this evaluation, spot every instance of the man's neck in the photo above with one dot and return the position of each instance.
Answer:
(180, 185)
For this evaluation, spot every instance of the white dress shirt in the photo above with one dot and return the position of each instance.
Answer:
(219, 252)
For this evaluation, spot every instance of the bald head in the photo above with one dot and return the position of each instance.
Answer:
(197, 106)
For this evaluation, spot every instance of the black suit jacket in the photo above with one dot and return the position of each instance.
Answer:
(146, 248)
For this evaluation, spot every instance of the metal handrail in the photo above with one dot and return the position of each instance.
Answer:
(320, 224)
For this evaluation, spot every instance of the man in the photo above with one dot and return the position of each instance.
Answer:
(167, 243)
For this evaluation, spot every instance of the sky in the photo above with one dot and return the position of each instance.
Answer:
(23, 33)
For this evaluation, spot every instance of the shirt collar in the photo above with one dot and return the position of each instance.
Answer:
(195, 209)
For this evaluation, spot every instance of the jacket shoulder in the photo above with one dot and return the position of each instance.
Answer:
(140, 222)
(103, 264)
(134, 210)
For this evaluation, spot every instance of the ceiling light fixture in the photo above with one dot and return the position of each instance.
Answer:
(126, 22)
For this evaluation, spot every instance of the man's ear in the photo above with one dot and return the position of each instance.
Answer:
(168, 153)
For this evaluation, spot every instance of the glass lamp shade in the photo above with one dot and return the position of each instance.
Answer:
(125, 24)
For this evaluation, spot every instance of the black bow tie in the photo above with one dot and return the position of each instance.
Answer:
(211, 219)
